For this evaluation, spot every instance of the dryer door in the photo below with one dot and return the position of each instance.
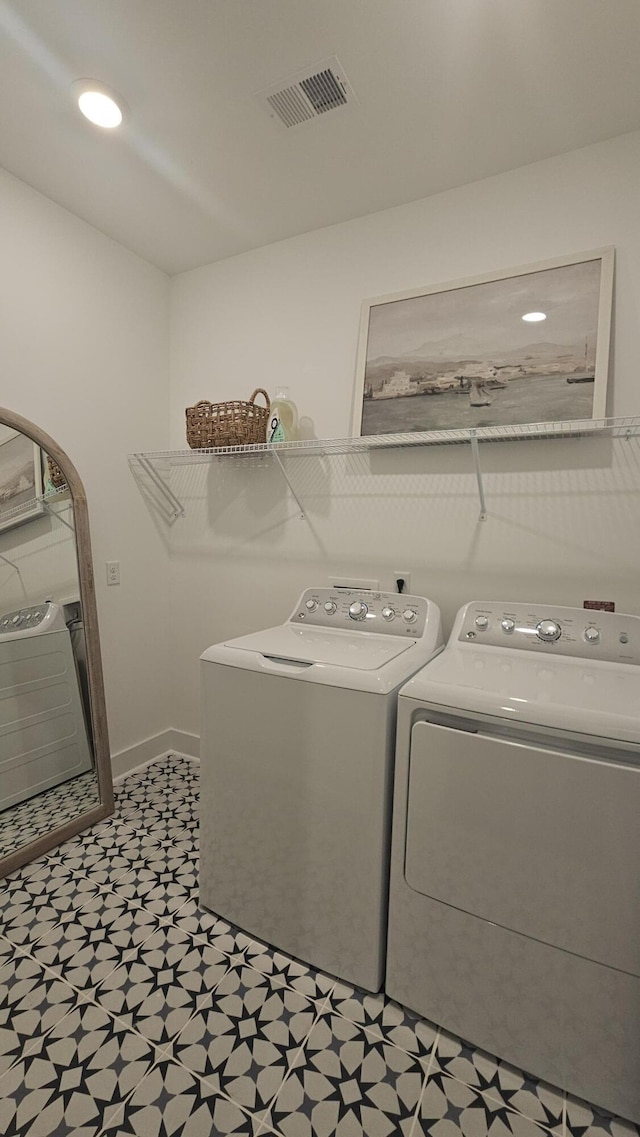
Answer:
(536, 840)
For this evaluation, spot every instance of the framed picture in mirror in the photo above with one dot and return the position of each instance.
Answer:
(21, 481)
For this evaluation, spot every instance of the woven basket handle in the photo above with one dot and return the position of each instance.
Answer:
(261, 391)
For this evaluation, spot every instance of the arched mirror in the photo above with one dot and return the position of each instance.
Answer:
(55, 767)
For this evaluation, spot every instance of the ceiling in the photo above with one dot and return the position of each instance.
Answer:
(448, 91)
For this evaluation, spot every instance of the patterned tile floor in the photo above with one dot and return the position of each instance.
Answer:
(126, 1009)
(20, 824)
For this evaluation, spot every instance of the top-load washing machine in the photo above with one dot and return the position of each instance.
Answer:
(514, 914)
(298, 728)
(43, 734)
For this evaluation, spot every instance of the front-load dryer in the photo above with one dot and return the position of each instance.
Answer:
(514, 916)
(43, 732)
(298, 728)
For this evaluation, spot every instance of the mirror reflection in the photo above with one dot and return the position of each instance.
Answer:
(47, 758)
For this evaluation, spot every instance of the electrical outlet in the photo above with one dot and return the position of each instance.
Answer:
(113, 572)
(402, 574)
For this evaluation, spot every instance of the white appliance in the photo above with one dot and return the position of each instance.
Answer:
(514, 914)
(298, 727)
(43, 736)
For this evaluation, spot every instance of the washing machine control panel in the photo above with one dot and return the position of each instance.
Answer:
(580, 632)
(386, 613)
(24, 618)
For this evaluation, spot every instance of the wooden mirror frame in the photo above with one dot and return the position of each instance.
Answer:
(102, 757)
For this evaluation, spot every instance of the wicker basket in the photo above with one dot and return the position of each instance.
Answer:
(56, 476)
(227, 424)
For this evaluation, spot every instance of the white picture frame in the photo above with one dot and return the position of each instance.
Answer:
(21, 480)
(460, 355)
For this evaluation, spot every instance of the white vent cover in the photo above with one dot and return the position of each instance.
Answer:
(308, 94)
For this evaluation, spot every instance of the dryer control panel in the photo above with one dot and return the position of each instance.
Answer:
(579, 632)
(385, 613)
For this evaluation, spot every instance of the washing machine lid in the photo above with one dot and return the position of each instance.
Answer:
(361, 651)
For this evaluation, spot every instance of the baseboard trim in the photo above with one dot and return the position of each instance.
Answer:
(150, 749)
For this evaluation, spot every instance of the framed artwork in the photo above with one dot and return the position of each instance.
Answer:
(21, 484)
(527, 345)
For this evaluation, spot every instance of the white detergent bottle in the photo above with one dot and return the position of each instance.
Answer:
(283, 418)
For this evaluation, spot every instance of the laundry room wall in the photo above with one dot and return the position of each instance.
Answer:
(564, 515)
(84, 348)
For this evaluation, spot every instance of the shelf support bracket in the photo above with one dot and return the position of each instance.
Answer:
(54, 513)
(286, 478)
(475, 450)
(176, 506)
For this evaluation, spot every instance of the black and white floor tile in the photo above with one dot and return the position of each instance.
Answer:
(383, 1018)
(158, 989)
(170, 1101)
(244, 1037)
(126, 1009)
(31, 1001)
(347, 1081)
(449, 1108)
(287, 972)
(501, 1082)
(86, 946)
(31, 907)
(21, 824)
(71, 1079)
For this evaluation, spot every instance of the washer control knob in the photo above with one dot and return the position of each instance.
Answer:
(409, 616)
(330, 607)
(17, 619)
(592, 635)
(482, 622)
(507, 625)
(311, 605)
(388, 614)
(37, 615)
(358, 610)
(549, 631)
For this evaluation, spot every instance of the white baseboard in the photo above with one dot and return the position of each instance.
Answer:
(150, 749)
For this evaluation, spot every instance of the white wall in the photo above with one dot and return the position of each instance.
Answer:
(563, 515)
(84, 351)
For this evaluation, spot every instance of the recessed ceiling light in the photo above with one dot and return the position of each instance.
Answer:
(98, 103)
(534, 317)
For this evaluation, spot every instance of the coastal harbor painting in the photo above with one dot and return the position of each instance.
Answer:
(527, 345)
(20, 479)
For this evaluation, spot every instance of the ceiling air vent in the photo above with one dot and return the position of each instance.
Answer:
(308, 94)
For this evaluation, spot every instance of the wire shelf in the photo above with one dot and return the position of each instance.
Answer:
(575, 428)
(156, 465)
(35, 506)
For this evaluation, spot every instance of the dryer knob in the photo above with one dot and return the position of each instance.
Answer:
(330, 607)
(388, 614)
(482, 622)
(358, 610)
(311, 605)
(549, 631)
(409, 616)
(507, 625)
(17, 620)
(592, 635)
